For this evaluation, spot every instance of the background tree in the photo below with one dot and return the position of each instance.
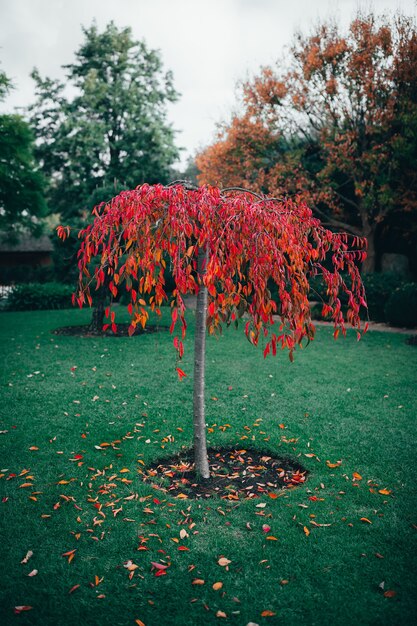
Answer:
(113, 131)
(336, 122)
(226, 247)
(22, 203)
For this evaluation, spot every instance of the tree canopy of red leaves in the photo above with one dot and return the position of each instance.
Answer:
(250, 243)
(335, 122)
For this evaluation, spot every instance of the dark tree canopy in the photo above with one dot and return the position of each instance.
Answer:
(21, 185)
(113, 132)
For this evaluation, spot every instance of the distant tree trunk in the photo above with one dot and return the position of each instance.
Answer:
(200, 442)
(97, 319)
(369, 264)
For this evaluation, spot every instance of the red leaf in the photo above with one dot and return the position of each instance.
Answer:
(181, 373)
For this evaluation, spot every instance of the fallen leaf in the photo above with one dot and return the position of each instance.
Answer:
(271, 538)
(73, 588)
(356, 476)
(158, 566)
(27, 557)
(266, 528)
(390, 593)
(223, 561)
(198, 581)
(267, 613)
(366, 520)
(333, 465)
(70, 554)
(20, 609)
(385, 492)
(183, 533)
(139, 622)
(217, 586)
(33, 572)
(306, 530)
(221, 614)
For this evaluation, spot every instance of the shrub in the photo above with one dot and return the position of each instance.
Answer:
(36, 296)
(379, 287)
(401, 307)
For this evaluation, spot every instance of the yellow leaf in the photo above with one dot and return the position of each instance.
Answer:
(217, 586)
(366, 520)
(25, 485)
(272, 538)
(198, 581)
(385, 492)
(333, 465)
(124, 470)
(306, 530)
(356, 476)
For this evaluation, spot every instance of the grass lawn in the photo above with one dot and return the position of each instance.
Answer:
(339, 542)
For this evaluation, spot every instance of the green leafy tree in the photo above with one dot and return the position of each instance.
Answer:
(113, 132)
(22, 203)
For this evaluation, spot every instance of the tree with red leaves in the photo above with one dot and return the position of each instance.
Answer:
(336, 123)
(227, 247)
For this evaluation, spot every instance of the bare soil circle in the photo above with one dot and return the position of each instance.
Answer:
(122, 331)
(235, 474)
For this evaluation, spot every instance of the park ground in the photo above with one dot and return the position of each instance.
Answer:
(82, 418)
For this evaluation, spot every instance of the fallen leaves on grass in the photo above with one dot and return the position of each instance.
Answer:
(20, 609)
(217, 586)
(223, 562)
(365, 520)
(29, 553)
(70, 554)
(333, 465)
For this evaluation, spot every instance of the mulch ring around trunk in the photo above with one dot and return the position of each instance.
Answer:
(122, 331)
(235, 474)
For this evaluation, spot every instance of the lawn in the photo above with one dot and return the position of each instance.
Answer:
(82, 417)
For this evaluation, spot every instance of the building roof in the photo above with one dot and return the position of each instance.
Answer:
(26, 243)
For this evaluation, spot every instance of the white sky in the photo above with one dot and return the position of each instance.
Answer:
(208, 44)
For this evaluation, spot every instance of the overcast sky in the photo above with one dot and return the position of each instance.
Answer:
(208, 44)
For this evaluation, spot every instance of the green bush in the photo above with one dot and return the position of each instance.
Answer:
(378, 288)
(36, 296)
(401, 307)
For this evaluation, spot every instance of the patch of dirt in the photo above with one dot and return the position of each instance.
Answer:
(122, 331)
(235, 474)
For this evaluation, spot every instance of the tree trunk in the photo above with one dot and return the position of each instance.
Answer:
(199, 420)
(368, 266)
(97, 320)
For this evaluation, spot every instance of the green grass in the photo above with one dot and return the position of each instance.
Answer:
(347, 401)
